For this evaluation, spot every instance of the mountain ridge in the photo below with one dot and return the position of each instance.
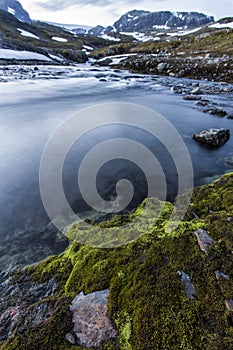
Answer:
(141, 21)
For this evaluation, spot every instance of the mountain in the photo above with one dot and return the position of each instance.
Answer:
(20, 39)
(142, 21)
(15, 8)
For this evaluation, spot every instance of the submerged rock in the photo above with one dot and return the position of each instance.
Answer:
(213, 137)
(92, 326)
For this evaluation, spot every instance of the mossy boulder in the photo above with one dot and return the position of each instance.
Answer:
(147, 301)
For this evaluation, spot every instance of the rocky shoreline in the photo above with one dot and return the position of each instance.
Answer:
(209, 67)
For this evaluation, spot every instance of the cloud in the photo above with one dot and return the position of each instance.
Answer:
(106, 12)
(64, 4)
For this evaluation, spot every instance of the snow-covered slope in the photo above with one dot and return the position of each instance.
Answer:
(22, 55)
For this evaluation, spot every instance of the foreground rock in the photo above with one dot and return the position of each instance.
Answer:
(213, 137)
(92, 326)
(165, 293)
(20, 304)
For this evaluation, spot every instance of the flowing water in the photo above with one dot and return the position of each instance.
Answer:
(31, 110)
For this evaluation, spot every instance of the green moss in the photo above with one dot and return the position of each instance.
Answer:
(147, 298)
(124, 325)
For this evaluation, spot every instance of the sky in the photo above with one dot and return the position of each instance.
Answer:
(106, 12)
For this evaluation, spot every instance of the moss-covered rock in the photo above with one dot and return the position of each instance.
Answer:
(147, 302)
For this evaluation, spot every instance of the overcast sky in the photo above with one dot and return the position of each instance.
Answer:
(105, 12)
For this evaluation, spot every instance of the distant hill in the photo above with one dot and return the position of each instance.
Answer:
(54, 42)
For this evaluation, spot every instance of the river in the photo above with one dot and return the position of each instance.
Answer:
(31, 110)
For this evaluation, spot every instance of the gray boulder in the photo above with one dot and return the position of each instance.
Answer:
(92, 326)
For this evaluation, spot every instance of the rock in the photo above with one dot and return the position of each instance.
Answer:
(213, 137)
(219, 274)
(17, 312)
(196, 91)
(204, 240)
(177, 89)
(230, 116)
(190, 290)
(191, 98)
(104, 62)
(70, 338)
(92, 326)
(229, 305)
(202, 103)
(210, 56)
(78, 56)
(162, 66)
(220, 112)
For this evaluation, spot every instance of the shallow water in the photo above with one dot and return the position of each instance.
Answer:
(32, 110)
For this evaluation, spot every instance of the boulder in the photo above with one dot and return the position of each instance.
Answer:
(213, 137)
(92, 326)
(216, 111)
(104, 62)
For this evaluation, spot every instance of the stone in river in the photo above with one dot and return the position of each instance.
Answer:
(213, 137)
(216, 111)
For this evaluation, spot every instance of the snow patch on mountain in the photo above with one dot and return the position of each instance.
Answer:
(10, 10)
(141, 36)
(61, 40)
(107, 37)
(28, 34)
(222, 25)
